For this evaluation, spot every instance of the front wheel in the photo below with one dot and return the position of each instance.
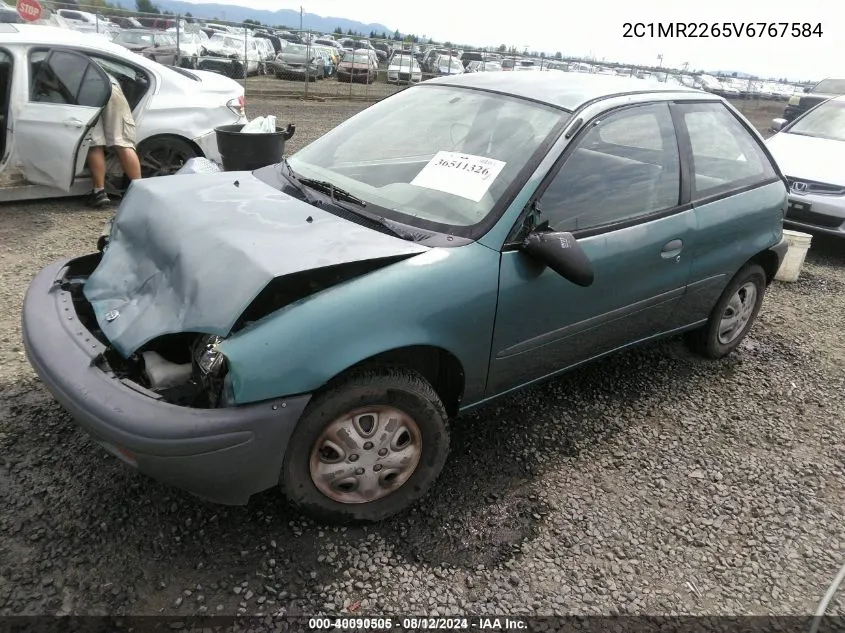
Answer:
(733, 316)
(367, 447)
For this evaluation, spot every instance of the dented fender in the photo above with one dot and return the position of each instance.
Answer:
(444, 298)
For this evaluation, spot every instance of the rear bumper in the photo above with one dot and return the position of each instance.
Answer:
(223, 455)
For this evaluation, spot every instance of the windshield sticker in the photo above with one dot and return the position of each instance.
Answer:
(461, 175)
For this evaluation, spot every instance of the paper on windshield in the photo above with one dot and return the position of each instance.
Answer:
(463, 175)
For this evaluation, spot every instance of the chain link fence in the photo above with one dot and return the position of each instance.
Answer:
(280, 62)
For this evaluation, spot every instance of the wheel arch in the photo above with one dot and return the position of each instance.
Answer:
(768, 261)
(440, 367)
(172, 135)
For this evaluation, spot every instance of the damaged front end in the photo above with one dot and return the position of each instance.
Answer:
(194, 259)
(185, 369)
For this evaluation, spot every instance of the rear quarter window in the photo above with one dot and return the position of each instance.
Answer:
(725, 156)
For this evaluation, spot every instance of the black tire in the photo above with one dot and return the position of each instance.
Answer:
(164, 155)
(706, 340)
(394, 387)
(238, 71)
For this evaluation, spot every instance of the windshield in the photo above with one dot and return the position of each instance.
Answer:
(403, 60)
(831, 87)
(362, 58)
(143, 39)
(826, 121)
(451, 63)
(436, 157)
(225, 42)
(296, 49)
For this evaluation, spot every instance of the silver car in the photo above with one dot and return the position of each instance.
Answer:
(811, 152)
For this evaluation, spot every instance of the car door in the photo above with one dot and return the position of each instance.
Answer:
(737, 195)
(618, 192)
(67, 92)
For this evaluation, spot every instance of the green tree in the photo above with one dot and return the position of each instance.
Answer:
(146, 6)
(338, 30)
(251, 21)
(349, 32)
(188, 15)
(502, 48)
(558, 55)
(396, 35)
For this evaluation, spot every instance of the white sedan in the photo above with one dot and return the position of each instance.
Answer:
(57, 88)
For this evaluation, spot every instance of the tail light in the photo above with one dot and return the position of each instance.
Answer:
(238, 106)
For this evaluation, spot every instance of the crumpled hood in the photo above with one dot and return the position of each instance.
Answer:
(189, 253)
(808, 157)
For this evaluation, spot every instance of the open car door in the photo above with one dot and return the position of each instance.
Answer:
(67, 92)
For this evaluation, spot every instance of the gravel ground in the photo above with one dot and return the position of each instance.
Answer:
(653, 482)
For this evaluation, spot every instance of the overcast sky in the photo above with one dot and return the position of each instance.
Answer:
(596, 27)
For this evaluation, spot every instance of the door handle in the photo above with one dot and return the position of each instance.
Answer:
(73, 123)
(672, 249)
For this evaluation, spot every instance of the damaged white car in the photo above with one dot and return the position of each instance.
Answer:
(53, 86)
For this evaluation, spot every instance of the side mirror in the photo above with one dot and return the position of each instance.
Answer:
(562, 253)
(777, 124)
(807, 89)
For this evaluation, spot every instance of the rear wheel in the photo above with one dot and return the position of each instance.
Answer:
(367, 447)
(733, 316)
(164, 155)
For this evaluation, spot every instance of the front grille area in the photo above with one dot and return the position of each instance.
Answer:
(813, 186)
(404, 76)
(816, 219)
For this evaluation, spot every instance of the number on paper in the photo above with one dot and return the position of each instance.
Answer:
(461, 175)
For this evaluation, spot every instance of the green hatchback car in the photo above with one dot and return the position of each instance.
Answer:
(315, 324)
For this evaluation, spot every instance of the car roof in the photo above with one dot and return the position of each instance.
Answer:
(567, 91)
(46, 35)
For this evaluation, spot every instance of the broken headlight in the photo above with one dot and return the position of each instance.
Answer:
(209, 359)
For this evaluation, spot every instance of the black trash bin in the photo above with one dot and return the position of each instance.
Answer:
(245, 152)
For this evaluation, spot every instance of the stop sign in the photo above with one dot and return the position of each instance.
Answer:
(29, 10)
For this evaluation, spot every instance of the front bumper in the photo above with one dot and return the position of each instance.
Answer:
(223, 455)
(826, 214)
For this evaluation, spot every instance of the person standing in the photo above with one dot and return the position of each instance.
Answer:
(116, 129)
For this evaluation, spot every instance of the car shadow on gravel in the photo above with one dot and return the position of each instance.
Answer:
(91, 520)
(826, 250)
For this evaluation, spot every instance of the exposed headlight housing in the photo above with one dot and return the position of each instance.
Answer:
(209, 359)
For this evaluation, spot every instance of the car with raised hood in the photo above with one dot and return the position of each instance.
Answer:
(811, 152)
(315, 324)
(56, 86)
(800, 102)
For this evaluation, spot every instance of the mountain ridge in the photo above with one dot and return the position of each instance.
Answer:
(286, 17)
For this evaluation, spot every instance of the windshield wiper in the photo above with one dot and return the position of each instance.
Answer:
(338, 196)
(335, 193)
(290, 175)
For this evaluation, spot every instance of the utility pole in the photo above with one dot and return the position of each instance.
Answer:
(300, 18)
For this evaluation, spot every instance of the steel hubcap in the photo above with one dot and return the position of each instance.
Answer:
(365, 454)
(737, 313)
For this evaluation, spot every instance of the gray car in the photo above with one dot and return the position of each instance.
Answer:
(296, 61)
(811, 152)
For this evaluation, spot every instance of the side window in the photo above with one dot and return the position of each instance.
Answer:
(67, 77)
(624, 167)
(724, 155)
